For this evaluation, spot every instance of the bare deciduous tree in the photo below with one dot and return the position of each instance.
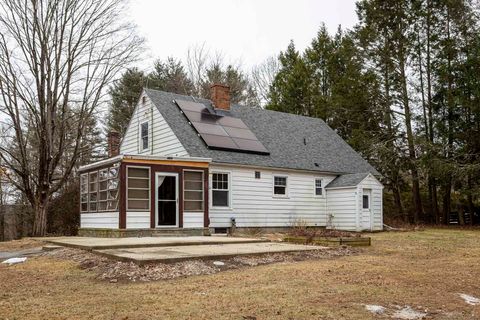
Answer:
(263, 75)
(56, 58)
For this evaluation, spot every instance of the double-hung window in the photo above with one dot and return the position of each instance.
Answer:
(220, 190)
(318, 187)
(144, 140)
(280, 186)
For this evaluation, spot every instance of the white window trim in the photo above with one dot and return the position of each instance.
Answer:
(287, 189)
(315, 187)
(87, 193)
(140, 141)
(203, 190)
(149, 189)
(210, 187)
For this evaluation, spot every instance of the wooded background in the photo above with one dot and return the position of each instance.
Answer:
(402, 87)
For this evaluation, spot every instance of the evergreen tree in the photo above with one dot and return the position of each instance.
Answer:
(170, 76)
(124, 94)
(291, 90)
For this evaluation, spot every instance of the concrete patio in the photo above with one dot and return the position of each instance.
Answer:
(204, 252)
(173, 249)
(91, 243)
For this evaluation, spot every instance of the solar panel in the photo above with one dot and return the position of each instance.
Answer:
(220, 131)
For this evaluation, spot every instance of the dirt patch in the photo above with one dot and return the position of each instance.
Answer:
(114, 271)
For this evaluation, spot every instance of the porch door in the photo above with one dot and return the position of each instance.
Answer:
(367, 209)
(166, 207)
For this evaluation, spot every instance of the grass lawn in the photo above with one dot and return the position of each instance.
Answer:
(425, 270)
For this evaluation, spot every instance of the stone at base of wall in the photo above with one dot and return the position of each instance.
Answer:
(254, 230)
(123, 233)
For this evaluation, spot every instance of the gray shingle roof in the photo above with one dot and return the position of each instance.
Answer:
(282, 134)
(347, 180)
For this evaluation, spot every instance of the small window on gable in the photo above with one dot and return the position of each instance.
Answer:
(318, 187)
(144, 141)
(366, 201)
(144, 100)
(257, 174)
(280, 186)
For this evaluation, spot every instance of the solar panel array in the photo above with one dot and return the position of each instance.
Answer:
(220, 131)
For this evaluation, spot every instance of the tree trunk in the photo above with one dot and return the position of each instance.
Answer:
(417, 201)
(447, 201)
(40, 221)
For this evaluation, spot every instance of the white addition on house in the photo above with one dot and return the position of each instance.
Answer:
(199, 166)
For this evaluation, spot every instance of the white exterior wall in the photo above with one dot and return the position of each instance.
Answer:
(193, 220)
(342, 208)
(163, 141)
(138, 220)
(104, 220)
(345, 205)
(253, 204)
(376, 201)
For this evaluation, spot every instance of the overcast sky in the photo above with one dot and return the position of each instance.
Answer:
(248, 31)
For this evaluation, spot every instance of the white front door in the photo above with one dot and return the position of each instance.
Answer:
(367, 209)
(166, 199)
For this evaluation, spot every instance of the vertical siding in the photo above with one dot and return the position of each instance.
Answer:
(253, 203)
(341, 204)
(138, 220)
(105, 220)
(163, 141)
(376, 200)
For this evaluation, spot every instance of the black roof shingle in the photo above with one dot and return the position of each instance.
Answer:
(294, 142)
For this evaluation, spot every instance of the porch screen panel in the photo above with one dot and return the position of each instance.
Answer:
(112, 189)
(138, 189)
(84, 192)
(193, 191)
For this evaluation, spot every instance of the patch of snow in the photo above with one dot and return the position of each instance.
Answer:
(469, 299)
(218, 263)
(375, 309)
(408, 313)
(14, 260)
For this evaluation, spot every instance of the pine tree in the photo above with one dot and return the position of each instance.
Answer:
(170, 76)
(291, 90)
(124, 97)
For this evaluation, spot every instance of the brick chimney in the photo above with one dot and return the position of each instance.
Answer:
(113, 143)
(220, 95)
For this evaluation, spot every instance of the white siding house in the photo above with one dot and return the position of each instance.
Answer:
(197, 164)
(355, 203)
(252, 202)
(161, 139)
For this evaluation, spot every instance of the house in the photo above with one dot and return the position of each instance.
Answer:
(193, 165)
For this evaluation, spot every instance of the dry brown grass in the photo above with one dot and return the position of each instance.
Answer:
(423, 269)
(16, 245)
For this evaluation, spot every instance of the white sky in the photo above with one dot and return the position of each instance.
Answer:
(245, 31)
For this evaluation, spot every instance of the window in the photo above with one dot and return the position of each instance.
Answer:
(318, 187)
(366, 201)
(257, 174)
(138, 189)
(220, 190)
(279, 186)
(102, 189)
(144, 136)
(99, 190)
(93, 191)
(112, 189)
(84, 192)
(193, 191)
